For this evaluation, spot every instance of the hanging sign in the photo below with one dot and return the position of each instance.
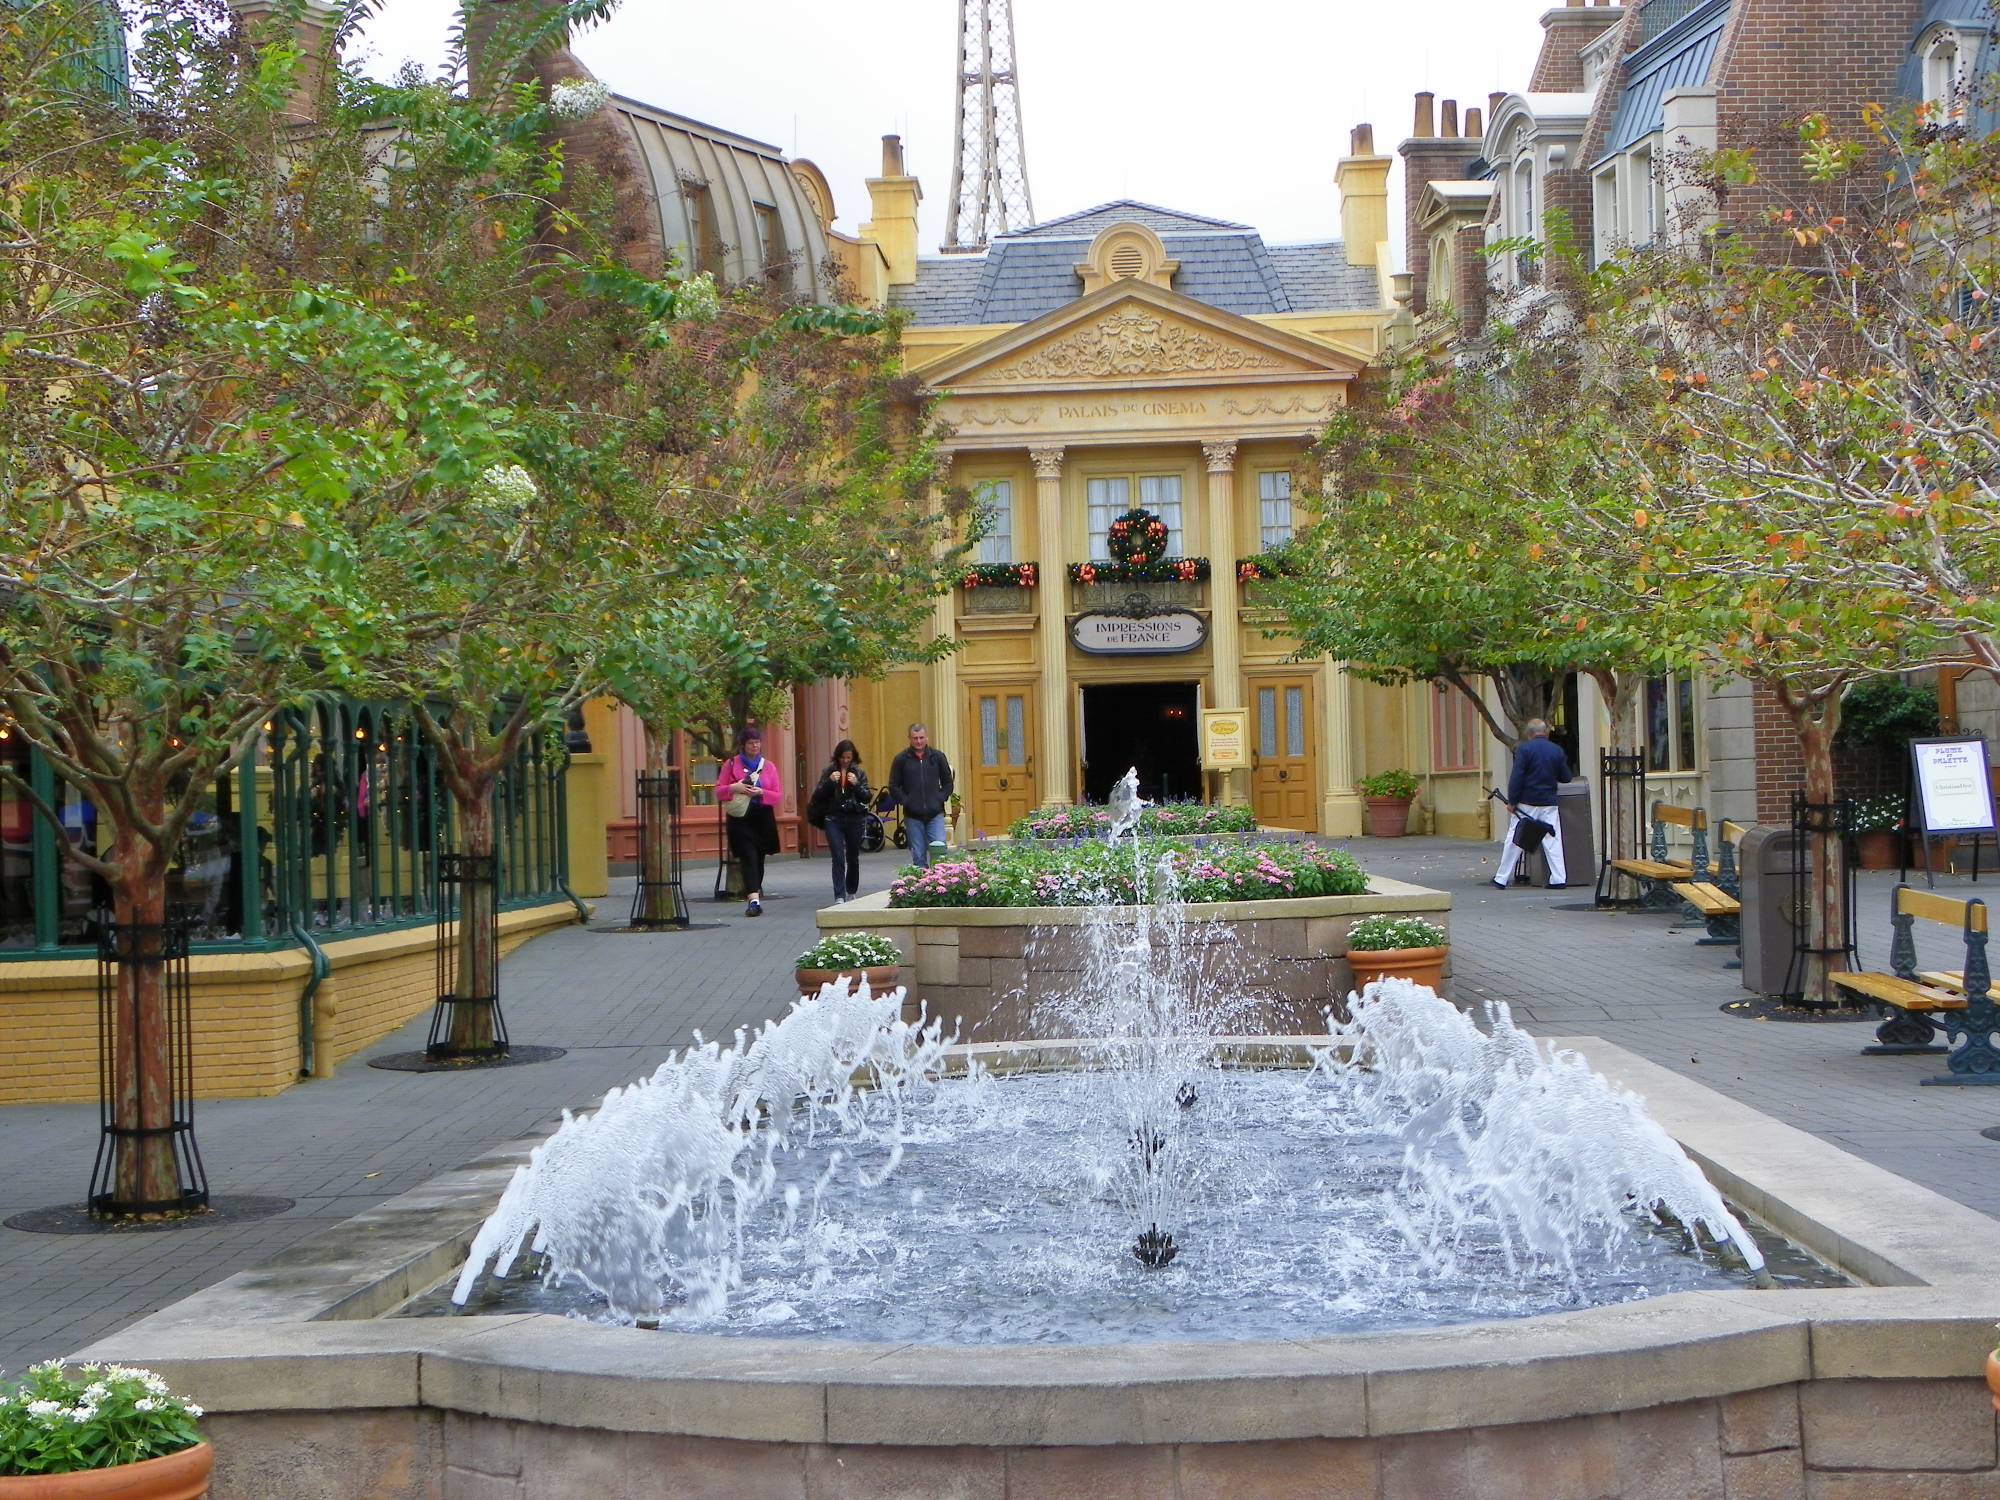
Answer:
(1225, 739)
(1954, 787)
(1155, 634)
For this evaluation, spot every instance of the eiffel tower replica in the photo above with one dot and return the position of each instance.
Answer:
(989, 164)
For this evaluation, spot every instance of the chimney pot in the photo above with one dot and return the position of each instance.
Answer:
(1474, 126)
(1493, 103)
(1575, 4)
(1362, 142)
(892, 156)
(1425, 126)
(1448, 120)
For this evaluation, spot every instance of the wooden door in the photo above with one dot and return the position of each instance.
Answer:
(1284, 779)
(1001, 734)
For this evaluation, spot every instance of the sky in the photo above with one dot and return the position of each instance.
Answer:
(1237, 110)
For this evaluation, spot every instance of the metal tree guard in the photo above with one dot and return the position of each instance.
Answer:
(1621, 813)
(1831, 825)
(468, 885)
(124, 952)
(660, 900)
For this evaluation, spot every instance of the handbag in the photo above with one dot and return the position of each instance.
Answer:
(738, 804)
(1529, 833)
(819, 803)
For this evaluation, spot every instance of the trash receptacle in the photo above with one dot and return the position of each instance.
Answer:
(1579, 845)
(1770, 921)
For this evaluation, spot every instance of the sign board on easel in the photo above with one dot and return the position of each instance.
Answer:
(1951, 788)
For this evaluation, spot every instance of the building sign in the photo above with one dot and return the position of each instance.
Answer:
(1161, 633)
(1225, 739)
(1954, 789)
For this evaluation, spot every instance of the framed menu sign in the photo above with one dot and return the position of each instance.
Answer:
(1954, 789)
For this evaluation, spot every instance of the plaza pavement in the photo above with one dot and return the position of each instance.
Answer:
(619, 1002)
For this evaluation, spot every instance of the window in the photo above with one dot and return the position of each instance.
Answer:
(1645, 221)
(771, 255)
(1524, 197)
(1604, 205)
(1941, 79)
(1671, 724)
(1274, 508)
(1438, 290)
(996, 498)
(1109, 495)
(704, 234)
(1457, 731)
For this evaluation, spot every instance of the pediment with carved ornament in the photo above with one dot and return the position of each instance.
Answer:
(1132, 343)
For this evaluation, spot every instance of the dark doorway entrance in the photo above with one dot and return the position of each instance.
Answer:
(1150, 725)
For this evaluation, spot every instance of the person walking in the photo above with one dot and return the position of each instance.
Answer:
(920, 782)
(749, 790)
(1539, 768)
(840, 806)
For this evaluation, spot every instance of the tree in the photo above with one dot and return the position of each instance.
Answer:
(218, 456)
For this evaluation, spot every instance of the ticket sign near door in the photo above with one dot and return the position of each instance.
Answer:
(1225, 739)
(1162, 634)
(1954, 789)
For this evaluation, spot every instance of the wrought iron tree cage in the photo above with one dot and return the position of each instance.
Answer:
(468, 960)
(1621, 813)
(143, 986)
(1822, 866)
(660, 899)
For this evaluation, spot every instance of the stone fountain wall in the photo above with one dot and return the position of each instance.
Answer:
(990, 967)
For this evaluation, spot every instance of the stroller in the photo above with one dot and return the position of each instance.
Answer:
(884, 826)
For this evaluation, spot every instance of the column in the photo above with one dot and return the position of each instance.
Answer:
(1340, 814)
(1052, 761)
(1225, 629)
(940, 706)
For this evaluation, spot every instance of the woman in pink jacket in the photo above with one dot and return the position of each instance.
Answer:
(749, 791)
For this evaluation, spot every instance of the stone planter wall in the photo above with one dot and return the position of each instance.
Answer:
(997, 971)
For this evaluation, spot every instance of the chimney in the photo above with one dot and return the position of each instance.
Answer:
(1565, 34)
(1475, 127)
(1430, 156)
(501, 24)
(312, 26)
(1448, 119)
(1424, 128)
(892, 201)
(1363, 180)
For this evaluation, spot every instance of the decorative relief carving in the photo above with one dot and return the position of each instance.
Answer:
(1281, 406)
(1000, 416)
(1048, 462)
(1221, 456)
(1136, 343)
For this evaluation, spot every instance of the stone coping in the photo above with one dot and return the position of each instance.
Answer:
(1383, 895)
(303, 1331)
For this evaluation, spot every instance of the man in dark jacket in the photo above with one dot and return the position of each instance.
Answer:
(920, 783)
(1539, 768)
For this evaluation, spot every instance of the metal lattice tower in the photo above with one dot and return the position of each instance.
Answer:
(989, 164)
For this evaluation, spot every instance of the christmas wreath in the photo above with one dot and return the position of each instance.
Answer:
(1137, 536)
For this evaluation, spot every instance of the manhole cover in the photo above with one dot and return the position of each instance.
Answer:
(423, 1062)
(74, 1218)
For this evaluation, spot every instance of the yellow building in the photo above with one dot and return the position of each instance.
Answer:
(1134, 357)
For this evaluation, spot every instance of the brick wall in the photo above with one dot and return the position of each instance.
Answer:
(1565, 33)
(1426, 160)
(1781, 768)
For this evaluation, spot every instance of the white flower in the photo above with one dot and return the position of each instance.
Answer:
(152, 1382)
(81, 1414)
(577, 99)
(45, 1366)
(507, 486)
(44, 1408)
(96, 1391)
(191, 1409)
(144, 1403)
(696, 300)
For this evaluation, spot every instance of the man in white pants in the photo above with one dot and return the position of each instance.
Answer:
(1539, 768)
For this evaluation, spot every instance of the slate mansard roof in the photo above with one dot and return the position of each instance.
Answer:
(1032, 271)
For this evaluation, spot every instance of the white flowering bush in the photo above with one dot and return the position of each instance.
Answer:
(1380, 934)
(577, 99)
(849, 951)
(507, 487)
(696, 300)
(98, 1417)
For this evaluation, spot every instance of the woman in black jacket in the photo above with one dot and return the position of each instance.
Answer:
(841, 800)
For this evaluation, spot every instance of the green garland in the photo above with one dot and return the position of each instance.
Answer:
(1165, 570)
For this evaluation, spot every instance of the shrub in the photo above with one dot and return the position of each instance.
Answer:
(1376, 934)
(1173, 819)
(849, 951)
(1094, 873)
(1388, 784)
(1885, 712)
(53, 1423)
(1881, 814)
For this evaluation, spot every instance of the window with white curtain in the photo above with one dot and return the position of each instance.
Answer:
(996, 498)
(1110, 495)
(1274, 508)
(1941, 79)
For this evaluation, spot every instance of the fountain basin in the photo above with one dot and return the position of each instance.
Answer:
(990, 968)
(312, 1391)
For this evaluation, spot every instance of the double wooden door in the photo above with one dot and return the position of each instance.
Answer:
(1284, 776)
(1001, 734)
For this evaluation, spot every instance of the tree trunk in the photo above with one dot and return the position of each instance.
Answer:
(1624, 825)
(143, 1169)
(1815, 718)
(477, 974)
(1527, 693)
(656, 836)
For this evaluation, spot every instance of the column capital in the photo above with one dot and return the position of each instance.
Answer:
(947, 459)
(1048, 461)
(1221, 455)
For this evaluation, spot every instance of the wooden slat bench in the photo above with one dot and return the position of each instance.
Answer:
(1915, 1005)
(1718, 902)
(1659, 872)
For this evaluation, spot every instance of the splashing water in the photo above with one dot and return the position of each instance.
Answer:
(1125, 804)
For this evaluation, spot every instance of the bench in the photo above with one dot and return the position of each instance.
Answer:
(1915, 1004)
(1657, 872)
(1718, 902)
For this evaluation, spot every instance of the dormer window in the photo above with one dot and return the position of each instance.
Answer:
(1942, 97)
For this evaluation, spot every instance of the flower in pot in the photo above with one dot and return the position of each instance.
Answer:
(1388, 795)
(98, 1433)
(1878, 832)
(1407, 947)
(852, 956)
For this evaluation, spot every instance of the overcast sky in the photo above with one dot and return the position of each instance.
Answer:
(1239, 110)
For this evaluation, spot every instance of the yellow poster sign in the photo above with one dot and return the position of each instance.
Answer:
(1225, 739)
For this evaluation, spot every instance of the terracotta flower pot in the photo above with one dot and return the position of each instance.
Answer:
(178, 1476)
(1388, 817)
(881, 978)
(1421, 965)
(1878, 849)
(1993, 1376)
